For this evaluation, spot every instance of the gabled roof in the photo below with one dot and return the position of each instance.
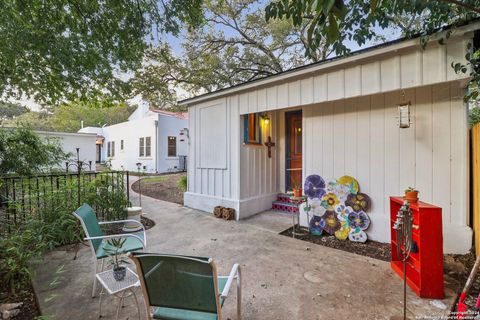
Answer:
(179, 115)
(354, 57)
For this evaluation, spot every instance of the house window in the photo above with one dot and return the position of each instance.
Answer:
(251, 129)
(145, 147)
(121, 144)
(148, 146)
(111, 149)
(141, 151)
(172, 146)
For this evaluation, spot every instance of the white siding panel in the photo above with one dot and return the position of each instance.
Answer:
(353, 82)
(294, 93)
(390, 73)
(327, 140)
(243, 103)
(320, 88)
(336, 85)
(272, 98)
(411, 69)
(252, 102)
(459, 155)
(424, 142)
(235, 144)
(262, 100)
(339, 136)
(306, 88)
(351, 144)
(441, 149)
(213, 127)
(434, 64)
(407, 145)
(377, 153)
(371, 78)
(363, 140)
(282, 96)
(456, 51)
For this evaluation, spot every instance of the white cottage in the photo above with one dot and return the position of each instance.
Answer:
(154, 138)
(340, 117)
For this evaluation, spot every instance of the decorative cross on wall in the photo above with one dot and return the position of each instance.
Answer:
(269, 145)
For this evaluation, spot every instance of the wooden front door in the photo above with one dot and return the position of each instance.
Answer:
(293, 161)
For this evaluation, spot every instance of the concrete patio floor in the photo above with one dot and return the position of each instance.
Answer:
(283, 278)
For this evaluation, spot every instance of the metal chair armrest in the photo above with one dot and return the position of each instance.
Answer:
(113, 236)
(234, 273)
(123, 221)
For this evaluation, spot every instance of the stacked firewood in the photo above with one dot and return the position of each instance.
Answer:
(224, 213)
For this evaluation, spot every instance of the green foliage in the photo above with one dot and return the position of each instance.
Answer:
(49, 223)
(235, 44)
(335, 22)
(68, 117)
(115, 251)
(474, 116)
(10, 110)
(23, 152)
(62, 50)
(32, 119)
(103, 194)
(183, 183)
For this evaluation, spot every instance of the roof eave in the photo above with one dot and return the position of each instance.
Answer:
(361, 55)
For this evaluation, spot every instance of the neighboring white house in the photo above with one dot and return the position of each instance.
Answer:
(345, 117)
(155, 138)
(70, 142)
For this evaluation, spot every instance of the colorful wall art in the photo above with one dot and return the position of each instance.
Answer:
(337, 206)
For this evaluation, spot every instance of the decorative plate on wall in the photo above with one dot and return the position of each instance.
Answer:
(314, 186)
(351, 182)
(358, 202)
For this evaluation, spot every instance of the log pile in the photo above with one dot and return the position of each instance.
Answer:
(224, 213)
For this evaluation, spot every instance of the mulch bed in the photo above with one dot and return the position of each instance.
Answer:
(372, 249)
(29, 309)
(166, 189)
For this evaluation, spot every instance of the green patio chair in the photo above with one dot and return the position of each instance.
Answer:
(183, 287)
(98, 240)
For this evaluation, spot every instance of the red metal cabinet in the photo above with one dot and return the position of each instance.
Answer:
(424, 267)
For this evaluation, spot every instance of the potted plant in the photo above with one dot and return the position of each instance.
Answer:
(297, 189)
(411, 194)
(115, 251)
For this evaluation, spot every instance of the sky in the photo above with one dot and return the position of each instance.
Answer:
(175, 43)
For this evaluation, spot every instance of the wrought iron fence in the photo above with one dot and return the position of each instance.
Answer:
(21, 197)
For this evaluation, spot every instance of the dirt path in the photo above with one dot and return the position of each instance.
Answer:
(162, 187)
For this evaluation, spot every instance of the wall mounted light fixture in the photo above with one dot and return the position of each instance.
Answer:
(266, 119)
(404, 115)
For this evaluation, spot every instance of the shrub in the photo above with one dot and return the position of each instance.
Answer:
(474, 116)
(182, 183)
(50, 223)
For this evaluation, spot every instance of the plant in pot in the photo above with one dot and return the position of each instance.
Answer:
(297, 189)
(411, 194)
(115, 251)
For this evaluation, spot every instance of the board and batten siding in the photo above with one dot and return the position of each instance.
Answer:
(360, 137)
(402, 69)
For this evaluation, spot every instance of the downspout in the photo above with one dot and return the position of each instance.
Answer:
(156, 146)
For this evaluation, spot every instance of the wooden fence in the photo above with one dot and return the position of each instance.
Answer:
(476, 184)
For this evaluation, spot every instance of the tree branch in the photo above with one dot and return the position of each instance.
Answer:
(464, 5)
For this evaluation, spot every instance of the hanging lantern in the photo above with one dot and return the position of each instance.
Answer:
(404, 115)
(266, 119)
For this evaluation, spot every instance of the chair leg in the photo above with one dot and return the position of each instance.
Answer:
(94, 289)
(239, 294)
